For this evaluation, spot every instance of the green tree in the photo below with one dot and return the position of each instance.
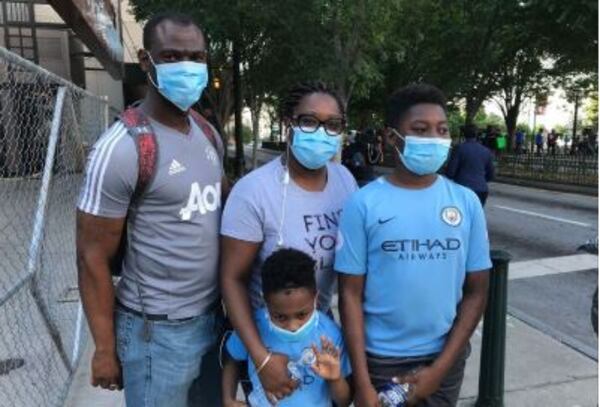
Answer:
(591, 111)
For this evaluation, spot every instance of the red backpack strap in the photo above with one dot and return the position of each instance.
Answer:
(208, 130)
(140, 129)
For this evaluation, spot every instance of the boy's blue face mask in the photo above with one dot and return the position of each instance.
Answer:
(182, 83)
(313, 150)
(299, 334)
(423, 155)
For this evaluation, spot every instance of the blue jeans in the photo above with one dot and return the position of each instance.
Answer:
(160, 372)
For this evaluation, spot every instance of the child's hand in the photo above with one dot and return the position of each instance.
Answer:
(328, 360)
(234, 403)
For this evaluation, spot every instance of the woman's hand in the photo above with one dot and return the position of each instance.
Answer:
(275, 377)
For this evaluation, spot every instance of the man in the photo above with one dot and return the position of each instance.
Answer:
(519, 140)
(412, 259)
(539, 142)
(472, 165)
(354, 158)
(154, 332)
(552, 140)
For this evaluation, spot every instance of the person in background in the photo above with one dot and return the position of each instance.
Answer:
(354, 157)
(552, 140)
(519, 141)
(539, 142)
(472, 165)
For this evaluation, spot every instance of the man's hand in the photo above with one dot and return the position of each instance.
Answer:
(424, 383)
(106, 371)
(366, 396)
(275, 377)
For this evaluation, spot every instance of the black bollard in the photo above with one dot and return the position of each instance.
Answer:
(493, 344)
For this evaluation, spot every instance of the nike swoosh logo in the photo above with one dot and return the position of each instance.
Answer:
(382, 221)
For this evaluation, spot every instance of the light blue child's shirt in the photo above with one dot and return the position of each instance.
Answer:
(414, 247)
(312, 389)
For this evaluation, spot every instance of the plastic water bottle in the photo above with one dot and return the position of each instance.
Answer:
(307, 359)
(394, 394)
(258, 398)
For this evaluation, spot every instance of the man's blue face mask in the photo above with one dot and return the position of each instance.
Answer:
(423, 155)
(182, 83)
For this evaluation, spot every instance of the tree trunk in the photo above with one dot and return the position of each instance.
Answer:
(471, 108)
(255, 113)
(512, 115)
(575, 116)
(237, 90)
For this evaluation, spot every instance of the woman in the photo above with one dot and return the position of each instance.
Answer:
(293, 201)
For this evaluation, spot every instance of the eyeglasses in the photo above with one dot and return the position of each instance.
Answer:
(309, 124)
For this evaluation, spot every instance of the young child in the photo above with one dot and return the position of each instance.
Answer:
(291, 325)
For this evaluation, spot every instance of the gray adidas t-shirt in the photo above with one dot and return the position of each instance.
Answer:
(253, 213)
(174, 246)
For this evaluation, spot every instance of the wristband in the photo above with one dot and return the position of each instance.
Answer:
(264, 362)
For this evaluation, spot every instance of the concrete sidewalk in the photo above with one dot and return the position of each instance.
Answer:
(540, 371)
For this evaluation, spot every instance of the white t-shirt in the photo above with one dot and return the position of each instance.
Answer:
(253, 213)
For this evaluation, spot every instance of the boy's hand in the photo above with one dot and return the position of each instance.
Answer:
(424, 382)
(366, 397)
(328, 360)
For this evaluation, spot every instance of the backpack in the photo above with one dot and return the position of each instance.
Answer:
(139, 128)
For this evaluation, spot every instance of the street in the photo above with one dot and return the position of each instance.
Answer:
(533, 224)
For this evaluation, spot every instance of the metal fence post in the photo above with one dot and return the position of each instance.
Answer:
(493, 347)
(40, 220)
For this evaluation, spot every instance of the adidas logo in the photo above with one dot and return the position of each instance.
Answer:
(176, 167)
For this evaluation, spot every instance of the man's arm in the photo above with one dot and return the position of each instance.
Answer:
(470, 310)
(237, 257)
(97, 241)
(351, 289)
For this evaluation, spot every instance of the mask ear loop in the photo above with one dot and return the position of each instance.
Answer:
(286, 182)
(401, 137)
(148, 73)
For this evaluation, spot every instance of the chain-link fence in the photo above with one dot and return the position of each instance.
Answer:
(45, 125)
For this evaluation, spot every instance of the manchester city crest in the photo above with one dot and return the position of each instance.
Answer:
(451, 215)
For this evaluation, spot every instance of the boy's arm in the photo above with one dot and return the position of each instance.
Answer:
(229, 383)
(351, 313)
(340, 391)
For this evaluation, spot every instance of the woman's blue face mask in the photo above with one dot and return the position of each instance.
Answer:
(313, 150)
(423, 155)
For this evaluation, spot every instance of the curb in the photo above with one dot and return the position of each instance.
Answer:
(575, 189)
